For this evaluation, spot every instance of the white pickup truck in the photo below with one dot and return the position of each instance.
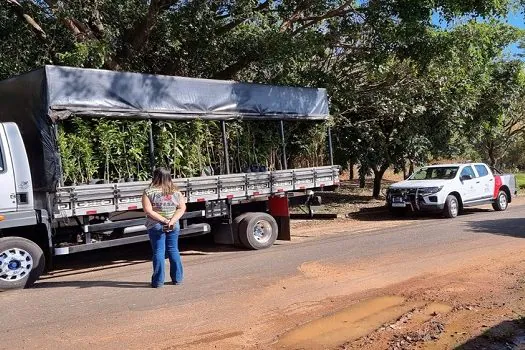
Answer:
(451, 187)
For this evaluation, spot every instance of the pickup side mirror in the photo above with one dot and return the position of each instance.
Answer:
(465, 177)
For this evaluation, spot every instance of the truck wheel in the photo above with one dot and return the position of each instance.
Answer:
(236, 228)
(21, 263)
(451, 207)
(502, 202)
(258, 231)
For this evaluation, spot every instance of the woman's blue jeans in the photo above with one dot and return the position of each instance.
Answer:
(162, 243)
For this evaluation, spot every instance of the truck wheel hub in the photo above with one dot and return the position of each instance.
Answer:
(15, 264)
(262, 231)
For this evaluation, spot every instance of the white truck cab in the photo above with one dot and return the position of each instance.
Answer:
(7, 177)
(450, 187)
(15, 177)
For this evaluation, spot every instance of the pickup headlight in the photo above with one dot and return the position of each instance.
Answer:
(430, 190)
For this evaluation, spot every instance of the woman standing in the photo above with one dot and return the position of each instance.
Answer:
(164, 205)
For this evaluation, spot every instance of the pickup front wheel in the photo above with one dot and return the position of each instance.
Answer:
(21, 263)
(501, 202)
(451, 209)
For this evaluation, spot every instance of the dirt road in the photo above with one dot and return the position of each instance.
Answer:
(428, 283)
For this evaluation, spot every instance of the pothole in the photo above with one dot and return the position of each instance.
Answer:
(346, 325)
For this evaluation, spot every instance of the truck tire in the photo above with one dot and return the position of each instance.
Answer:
(236, 228)
(258, 231)
(21, 263)
(451, 209)
(502, 202)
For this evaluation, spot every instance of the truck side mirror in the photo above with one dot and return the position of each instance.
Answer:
(465, 177)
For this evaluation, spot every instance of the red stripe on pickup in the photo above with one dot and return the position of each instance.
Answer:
(230, 196)
(132, 207)
(497, 185)
(91, 212)
(256, 193)
(200, 199)
(302, 187)
(280, 190)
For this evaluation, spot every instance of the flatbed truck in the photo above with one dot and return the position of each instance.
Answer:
(41, 218)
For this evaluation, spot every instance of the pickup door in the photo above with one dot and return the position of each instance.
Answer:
(469, 187)
(485, 181)
(7, 177)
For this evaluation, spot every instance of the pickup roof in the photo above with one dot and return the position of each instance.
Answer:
(451, 187)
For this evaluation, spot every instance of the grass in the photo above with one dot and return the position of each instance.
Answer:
(520, 178)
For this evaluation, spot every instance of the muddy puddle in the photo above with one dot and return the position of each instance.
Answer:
(349, 324)
(357, 321)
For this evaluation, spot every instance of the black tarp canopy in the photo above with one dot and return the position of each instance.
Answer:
(36, 100)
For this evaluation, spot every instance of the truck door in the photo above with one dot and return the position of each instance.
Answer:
(7, 176)
(468, 184)
(485, 181)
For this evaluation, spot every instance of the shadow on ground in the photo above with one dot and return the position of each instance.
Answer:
(514, 227)
(382, 214)
(344, 198)
(127, 255)
(505, 335)
(91, 284)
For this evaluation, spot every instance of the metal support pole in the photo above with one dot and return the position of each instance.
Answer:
(151, 147)
(225, 145)
(330, 147)
(61, 174)
(285, 165)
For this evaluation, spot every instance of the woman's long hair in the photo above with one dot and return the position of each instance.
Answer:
(162, 179)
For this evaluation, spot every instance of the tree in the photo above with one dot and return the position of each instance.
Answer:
(408, 109)
(499, 119)
(403, 86)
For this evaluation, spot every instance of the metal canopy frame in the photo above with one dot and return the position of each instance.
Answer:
(226, 146)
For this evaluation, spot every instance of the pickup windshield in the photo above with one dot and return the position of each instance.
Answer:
(435, 173)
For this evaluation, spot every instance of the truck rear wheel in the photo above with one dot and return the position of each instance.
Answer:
(451, 207)
(258, 231)
(502, 202)
(21, 263)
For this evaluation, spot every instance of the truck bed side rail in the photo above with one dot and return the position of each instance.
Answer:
(106, 198)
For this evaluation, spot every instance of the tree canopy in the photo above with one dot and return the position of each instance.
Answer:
(409, 80)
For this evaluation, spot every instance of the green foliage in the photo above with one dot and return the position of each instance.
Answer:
(110, 150)
(116, 150)
(78, 158)
(520, 179)
(91, 53)
(402, 89)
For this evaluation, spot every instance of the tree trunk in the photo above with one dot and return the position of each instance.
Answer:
(351, 170)
(378, 176)
(492, 157)
(411, 168)
(362, 179)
